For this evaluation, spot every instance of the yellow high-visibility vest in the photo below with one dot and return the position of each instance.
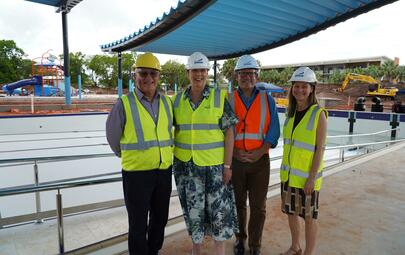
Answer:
(299, 149)
(197, 133)
(144, 144)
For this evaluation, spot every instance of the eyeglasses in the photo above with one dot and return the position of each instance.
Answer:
(144, 74)
(251, 74)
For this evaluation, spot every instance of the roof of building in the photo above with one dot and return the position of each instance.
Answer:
(331, 62)
(60, 4)
(229, 28)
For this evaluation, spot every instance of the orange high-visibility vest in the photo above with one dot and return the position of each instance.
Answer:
(253, 122)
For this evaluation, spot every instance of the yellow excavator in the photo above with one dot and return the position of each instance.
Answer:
(375, 89)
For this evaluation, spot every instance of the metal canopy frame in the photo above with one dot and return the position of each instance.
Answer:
(177, 18)
(62, 5)
(317, 16)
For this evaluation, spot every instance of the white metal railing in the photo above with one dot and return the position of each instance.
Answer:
(363, 135)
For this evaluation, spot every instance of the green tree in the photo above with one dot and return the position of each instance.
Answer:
(272, 76)
(128, 60)
(374, 71)
(174, 72)
(78, 64)
(285, 75)
(227, 69)
(13, 66)
(401, 73)
(103, 70)
(279, 78)
(389, 70)
(337, 77)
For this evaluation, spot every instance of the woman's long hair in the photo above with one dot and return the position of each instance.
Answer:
(292, 102)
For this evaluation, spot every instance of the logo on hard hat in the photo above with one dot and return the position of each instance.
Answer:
(300, 74)
(198, 61)
(247, 63)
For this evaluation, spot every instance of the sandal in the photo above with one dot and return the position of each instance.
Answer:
(291, 251)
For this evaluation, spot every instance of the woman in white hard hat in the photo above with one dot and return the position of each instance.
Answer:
(304, 135)
(203, 156)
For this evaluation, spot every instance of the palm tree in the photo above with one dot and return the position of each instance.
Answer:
(389, 70)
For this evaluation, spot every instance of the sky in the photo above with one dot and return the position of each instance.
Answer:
(37, 28)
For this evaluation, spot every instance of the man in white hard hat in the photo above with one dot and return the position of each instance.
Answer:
(258, 130)
(203, 149)
(139, 131)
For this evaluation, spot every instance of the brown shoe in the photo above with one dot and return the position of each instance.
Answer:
(291, 251)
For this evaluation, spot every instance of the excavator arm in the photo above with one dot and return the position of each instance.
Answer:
(377, 91)
(356, 77)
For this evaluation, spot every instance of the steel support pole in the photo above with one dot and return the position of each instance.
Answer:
(37, 194)
(394, 124)
(59, 215)
(215, 74)
(66, 61)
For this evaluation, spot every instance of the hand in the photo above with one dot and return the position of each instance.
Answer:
(240, 155)
(227, 175)
(309, 186)
(254, 155)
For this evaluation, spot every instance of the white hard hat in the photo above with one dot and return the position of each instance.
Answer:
(304, 74)
(197, 60)
(246, 62)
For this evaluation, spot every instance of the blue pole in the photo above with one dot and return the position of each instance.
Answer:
(119, 74)
(79, 84)
(230, 87)
(68, 99)
(131, 89)
(120, 87)
(175, 88)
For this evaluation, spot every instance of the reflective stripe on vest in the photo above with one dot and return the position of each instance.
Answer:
(205, 146)
(141, 144)
(297, 172)
(298, 144)
(197, 126)
(259, 136)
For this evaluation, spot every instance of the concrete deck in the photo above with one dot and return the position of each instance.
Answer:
(361, 212)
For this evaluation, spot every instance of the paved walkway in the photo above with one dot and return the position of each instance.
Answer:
(362, 211)
(362, 208)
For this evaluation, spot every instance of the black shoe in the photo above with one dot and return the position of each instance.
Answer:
(239, 247)
(255, 252)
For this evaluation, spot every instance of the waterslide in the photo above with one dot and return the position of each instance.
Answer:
(9, 88)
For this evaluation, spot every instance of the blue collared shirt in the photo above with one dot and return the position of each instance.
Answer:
(273, 133)
(151, 107)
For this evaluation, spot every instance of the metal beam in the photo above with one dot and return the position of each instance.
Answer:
(66, 60)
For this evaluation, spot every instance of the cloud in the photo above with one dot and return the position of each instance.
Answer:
(37, 28)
